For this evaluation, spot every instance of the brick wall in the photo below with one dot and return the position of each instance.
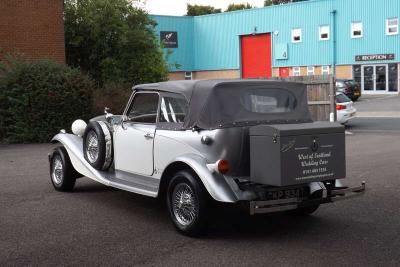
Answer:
(33, 27)
(202, 75)
(344, 72)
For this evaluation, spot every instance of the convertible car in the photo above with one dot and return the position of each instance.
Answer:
(193, 143)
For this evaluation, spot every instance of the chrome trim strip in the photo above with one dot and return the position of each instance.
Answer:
(273, 205)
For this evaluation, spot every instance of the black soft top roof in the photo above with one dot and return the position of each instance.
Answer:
(184, 87)
(205, 98)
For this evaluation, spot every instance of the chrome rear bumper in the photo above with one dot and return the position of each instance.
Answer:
(328, 196)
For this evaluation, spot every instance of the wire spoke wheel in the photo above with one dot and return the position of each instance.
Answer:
(184, 204)
(57, 170)
(92, 146)
(62, 173)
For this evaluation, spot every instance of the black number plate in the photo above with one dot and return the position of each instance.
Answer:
(286, 193)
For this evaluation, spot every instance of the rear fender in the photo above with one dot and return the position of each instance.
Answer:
(215, 183)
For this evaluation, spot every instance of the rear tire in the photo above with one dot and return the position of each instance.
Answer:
(303, 211)
(62, 173)
(187, 203)
(306, 210)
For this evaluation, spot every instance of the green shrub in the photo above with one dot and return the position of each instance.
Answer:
(39, 98)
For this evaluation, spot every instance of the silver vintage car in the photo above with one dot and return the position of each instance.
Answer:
(193, 143)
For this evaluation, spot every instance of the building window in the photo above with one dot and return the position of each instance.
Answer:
(296, 71)
(356, 30)
(324, 33)
(392, 26)
(296, 35)
(188, 75)
(310, 70)
(325, 70)
(357, 73)
(393, 78)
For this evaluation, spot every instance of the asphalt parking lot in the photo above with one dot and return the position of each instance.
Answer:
(96, 225)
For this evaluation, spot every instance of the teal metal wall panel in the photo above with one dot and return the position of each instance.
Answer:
(373, 15)
(281, 51)
(213, 41)
(183, 54)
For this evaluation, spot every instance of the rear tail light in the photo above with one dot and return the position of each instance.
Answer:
(340, 107)
(223, 166)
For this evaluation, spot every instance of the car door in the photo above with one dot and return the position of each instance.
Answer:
(134, 138)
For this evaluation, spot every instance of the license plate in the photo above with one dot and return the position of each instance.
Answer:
(285, 193)
(356, 93)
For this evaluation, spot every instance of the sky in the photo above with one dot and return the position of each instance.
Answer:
(178, 7)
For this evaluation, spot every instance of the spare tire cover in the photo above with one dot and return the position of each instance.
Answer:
(97, 145)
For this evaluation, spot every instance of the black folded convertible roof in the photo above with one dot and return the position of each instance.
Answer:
(206, 96)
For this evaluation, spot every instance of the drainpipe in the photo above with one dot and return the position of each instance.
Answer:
(332, 89)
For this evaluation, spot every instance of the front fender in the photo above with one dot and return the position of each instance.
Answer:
(74, 147)
(215, 183)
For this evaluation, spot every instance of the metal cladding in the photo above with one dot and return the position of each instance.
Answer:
(212, 42)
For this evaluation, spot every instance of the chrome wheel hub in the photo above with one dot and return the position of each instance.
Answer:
(184, 204)
(92, 147)
(57, 171)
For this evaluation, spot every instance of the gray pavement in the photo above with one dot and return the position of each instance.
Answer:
(378, 106)
(96, 225)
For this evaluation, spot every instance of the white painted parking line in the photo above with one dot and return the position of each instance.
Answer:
(378, 114)
(376, 131)
(382, 97)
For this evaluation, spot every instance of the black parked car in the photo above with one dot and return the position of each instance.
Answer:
(350, 88)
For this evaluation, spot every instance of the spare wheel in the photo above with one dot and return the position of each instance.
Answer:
(97, 145)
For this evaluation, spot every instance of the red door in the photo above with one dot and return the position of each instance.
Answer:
(283, 72)
(256, 56)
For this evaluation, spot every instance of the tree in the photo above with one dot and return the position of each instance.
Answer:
(112, 41)
(280, 2)
(198, 10)
(233, 7)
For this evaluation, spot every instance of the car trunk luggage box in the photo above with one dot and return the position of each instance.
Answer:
(289, 154)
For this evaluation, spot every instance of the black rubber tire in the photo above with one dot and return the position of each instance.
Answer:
(198, 226)
(96, 128)
(303, 211)
(354, 99)
(306, 210)
(69, 174)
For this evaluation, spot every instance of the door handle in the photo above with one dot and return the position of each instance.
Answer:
(148, 136)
